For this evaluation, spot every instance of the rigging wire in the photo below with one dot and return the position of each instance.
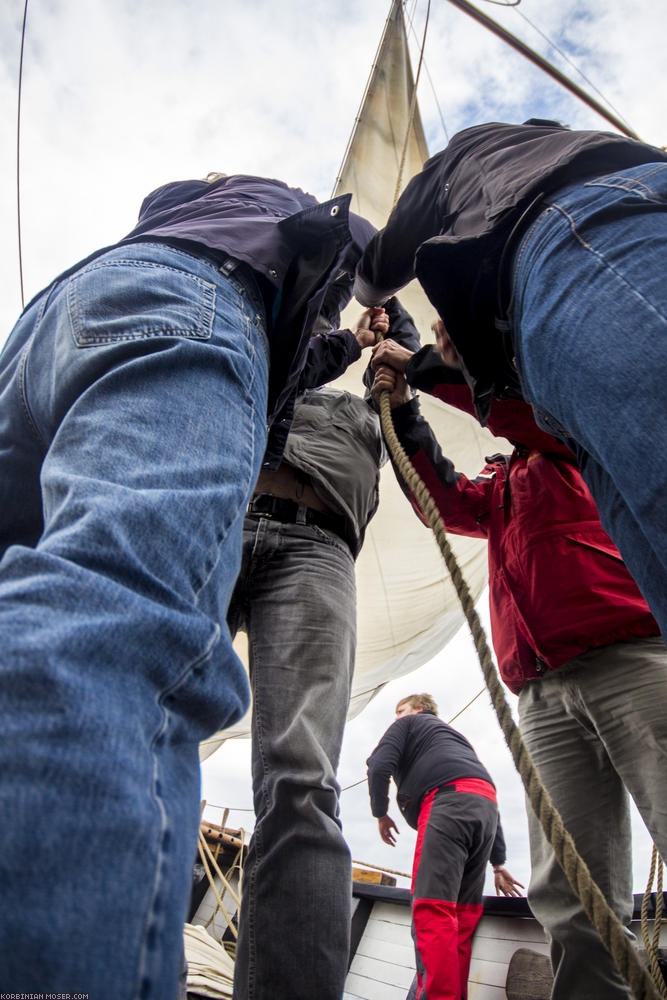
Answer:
(413, 105)
(18, 152)
(564, 56)
(543, 64)
(430, 78)
(410, 15)
(363, 98)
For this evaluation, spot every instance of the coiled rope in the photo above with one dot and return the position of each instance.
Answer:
(611, 931)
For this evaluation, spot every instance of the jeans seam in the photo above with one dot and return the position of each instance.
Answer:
(240, 514)
(250, 894)
(21, 373)
(25, 406)
(631, 185)
(602, 260)
(158, 799)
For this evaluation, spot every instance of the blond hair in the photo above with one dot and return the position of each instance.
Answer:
(424, 701)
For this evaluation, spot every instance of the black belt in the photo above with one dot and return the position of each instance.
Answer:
(291, 512)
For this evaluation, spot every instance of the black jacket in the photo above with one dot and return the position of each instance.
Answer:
(302, 253)
(421, 752)
(457, 221)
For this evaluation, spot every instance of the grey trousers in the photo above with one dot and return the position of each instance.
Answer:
(296, 599)
(597, 730)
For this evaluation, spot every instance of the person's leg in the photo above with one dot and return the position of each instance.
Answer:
(453, 844)
(588, 793)
(625, 696)
(297, 590)
(482, 817)
(21, 450)
(144, 386)
(590, 336)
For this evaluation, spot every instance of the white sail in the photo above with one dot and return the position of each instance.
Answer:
(407, 607)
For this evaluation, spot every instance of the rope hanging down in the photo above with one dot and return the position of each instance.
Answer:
(652, 945)
(605, 921)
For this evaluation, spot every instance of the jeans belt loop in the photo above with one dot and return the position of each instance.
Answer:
(301, 514)
(229, 265)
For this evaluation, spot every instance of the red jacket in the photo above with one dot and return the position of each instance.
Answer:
(558, 585)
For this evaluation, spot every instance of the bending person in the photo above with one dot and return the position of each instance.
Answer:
(544, 252)
(446, 794)
(135, 394)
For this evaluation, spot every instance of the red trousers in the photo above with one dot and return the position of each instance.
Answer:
(455, 835)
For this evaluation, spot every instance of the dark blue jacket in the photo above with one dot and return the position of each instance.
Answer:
(303, 253)
(421, 752)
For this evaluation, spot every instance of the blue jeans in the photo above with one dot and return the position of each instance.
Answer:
(132, 427)
(596, 729)
(296, 599)
(590, 336)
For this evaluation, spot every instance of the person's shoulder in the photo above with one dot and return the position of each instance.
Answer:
(171, 195)
(424, 720)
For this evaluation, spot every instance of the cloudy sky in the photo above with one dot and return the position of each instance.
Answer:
(120, 97)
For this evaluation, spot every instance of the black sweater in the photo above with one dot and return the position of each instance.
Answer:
(421, 752)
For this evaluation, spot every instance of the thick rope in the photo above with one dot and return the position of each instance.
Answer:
(652, 946)
(607, 924)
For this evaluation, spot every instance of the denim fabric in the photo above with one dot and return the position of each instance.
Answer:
(590, 335)
(596, 729)
(296, 599)
(132, 426)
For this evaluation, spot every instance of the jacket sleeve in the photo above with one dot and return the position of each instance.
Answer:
(509, 418)
(427, 371)
(388, 263)
(463, 503)
(328, 356)
(401, 329)
(383, 764)
(331, 353)
(498, 850)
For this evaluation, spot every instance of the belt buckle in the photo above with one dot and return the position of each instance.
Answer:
(251, 509)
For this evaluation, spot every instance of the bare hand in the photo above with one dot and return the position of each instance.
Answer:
(394, 383)
(506, 884)
(390, 353)
(370, 322)
(386, 827)
(444, 346)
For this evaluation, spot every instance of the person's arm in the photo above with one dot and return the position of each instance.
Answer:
(509, 418)
(383, 764)
(505, 883)
(425, 367)
(463, 503)
(403, 338)
(387, 263)
(387, 830)
(331, 352)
